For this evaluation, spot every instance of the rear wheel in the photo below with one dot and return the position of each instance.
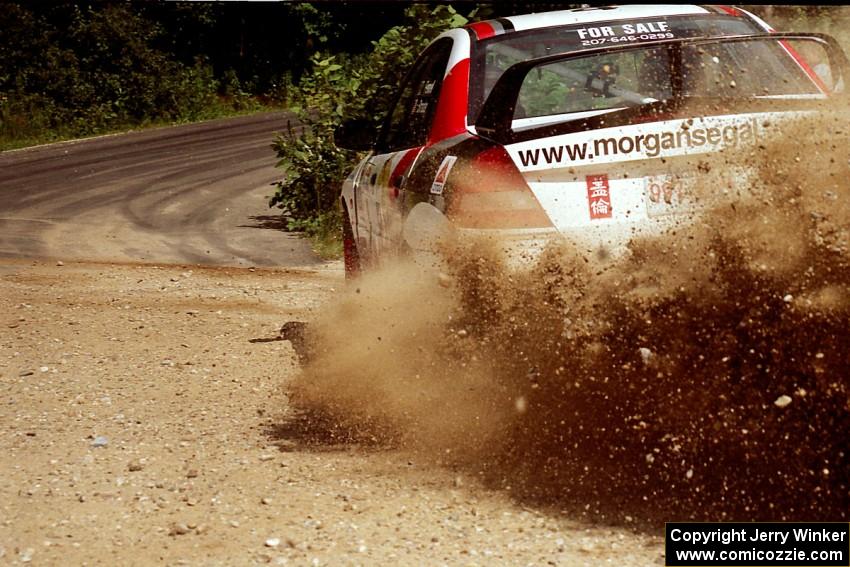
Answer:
(349, 249)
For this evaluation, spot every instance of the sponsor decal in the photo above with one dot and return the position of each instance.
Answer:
(442, 175)
(598, 197)
(624, 33)
(649, 141)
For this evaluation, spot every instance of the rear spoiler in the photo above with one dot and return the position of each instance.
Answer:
(497, 114)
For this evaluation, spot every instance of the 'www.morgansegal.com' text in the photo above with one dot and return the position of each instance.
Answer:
(648, 145)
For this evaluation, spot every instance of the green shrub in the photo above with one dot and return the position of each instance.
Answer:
(313, 167)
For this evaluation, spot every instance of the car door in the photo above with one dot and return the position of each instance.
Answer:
(403, 135)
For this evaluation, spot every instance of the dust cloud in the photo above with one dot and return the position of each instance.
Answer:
(703, 375)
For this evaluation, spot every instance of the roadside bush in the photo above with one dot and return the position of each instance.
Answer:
(337, 88)
(313, 166)
(70, 70)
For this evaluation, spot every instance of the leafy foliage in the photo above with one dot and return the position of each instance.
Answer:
(311, 165)
(101, 69)
(70, 68)
(339, 87)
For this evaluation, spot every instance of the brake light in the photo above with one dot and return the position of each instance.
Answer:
(490, 192)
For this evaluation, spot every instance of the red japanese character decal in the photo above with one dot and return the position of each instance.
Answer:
(598, 197)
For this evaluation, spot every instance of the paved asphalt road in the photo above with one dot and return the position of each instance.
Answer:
(186, 194)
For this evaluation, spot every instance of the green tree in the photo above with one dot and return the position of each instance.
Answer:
(74, 70)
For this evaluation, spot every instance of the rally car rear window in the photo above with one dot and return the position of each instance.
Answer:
(640, 75)
(494, 55)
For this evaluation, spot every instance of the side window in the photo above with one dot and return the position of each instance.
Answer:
(409, 121)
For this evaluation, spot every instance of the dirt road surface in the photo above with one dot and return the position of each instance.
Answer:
(194, 193)
(141, 425)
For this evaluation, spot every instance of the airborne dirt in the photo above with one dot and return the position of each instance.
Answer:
(203, 461)
(702, 376)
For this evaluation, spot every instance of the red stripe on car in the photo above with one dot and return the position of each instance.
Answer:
(450, 116)
(804, 66)
(400, 169)
(731, 11)
(483, 30)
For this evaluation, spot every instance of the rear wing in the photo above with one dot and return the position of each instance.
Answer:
(497, 114)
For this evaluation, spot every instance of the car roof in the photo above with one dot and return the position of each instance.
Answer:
(593, 15)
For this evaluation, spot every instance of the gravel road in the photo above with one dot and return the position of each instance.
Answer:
(194, 193)
(146, 420)
(202, 463)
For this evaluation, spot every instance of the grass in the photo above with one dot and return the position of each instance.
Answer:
(325, 234)
(328, 246)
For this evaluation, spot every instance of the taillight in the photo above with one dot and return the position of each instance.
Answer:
(491, 193)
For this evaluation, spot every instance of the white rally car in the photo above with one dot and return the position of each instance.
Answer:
(577, 123)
